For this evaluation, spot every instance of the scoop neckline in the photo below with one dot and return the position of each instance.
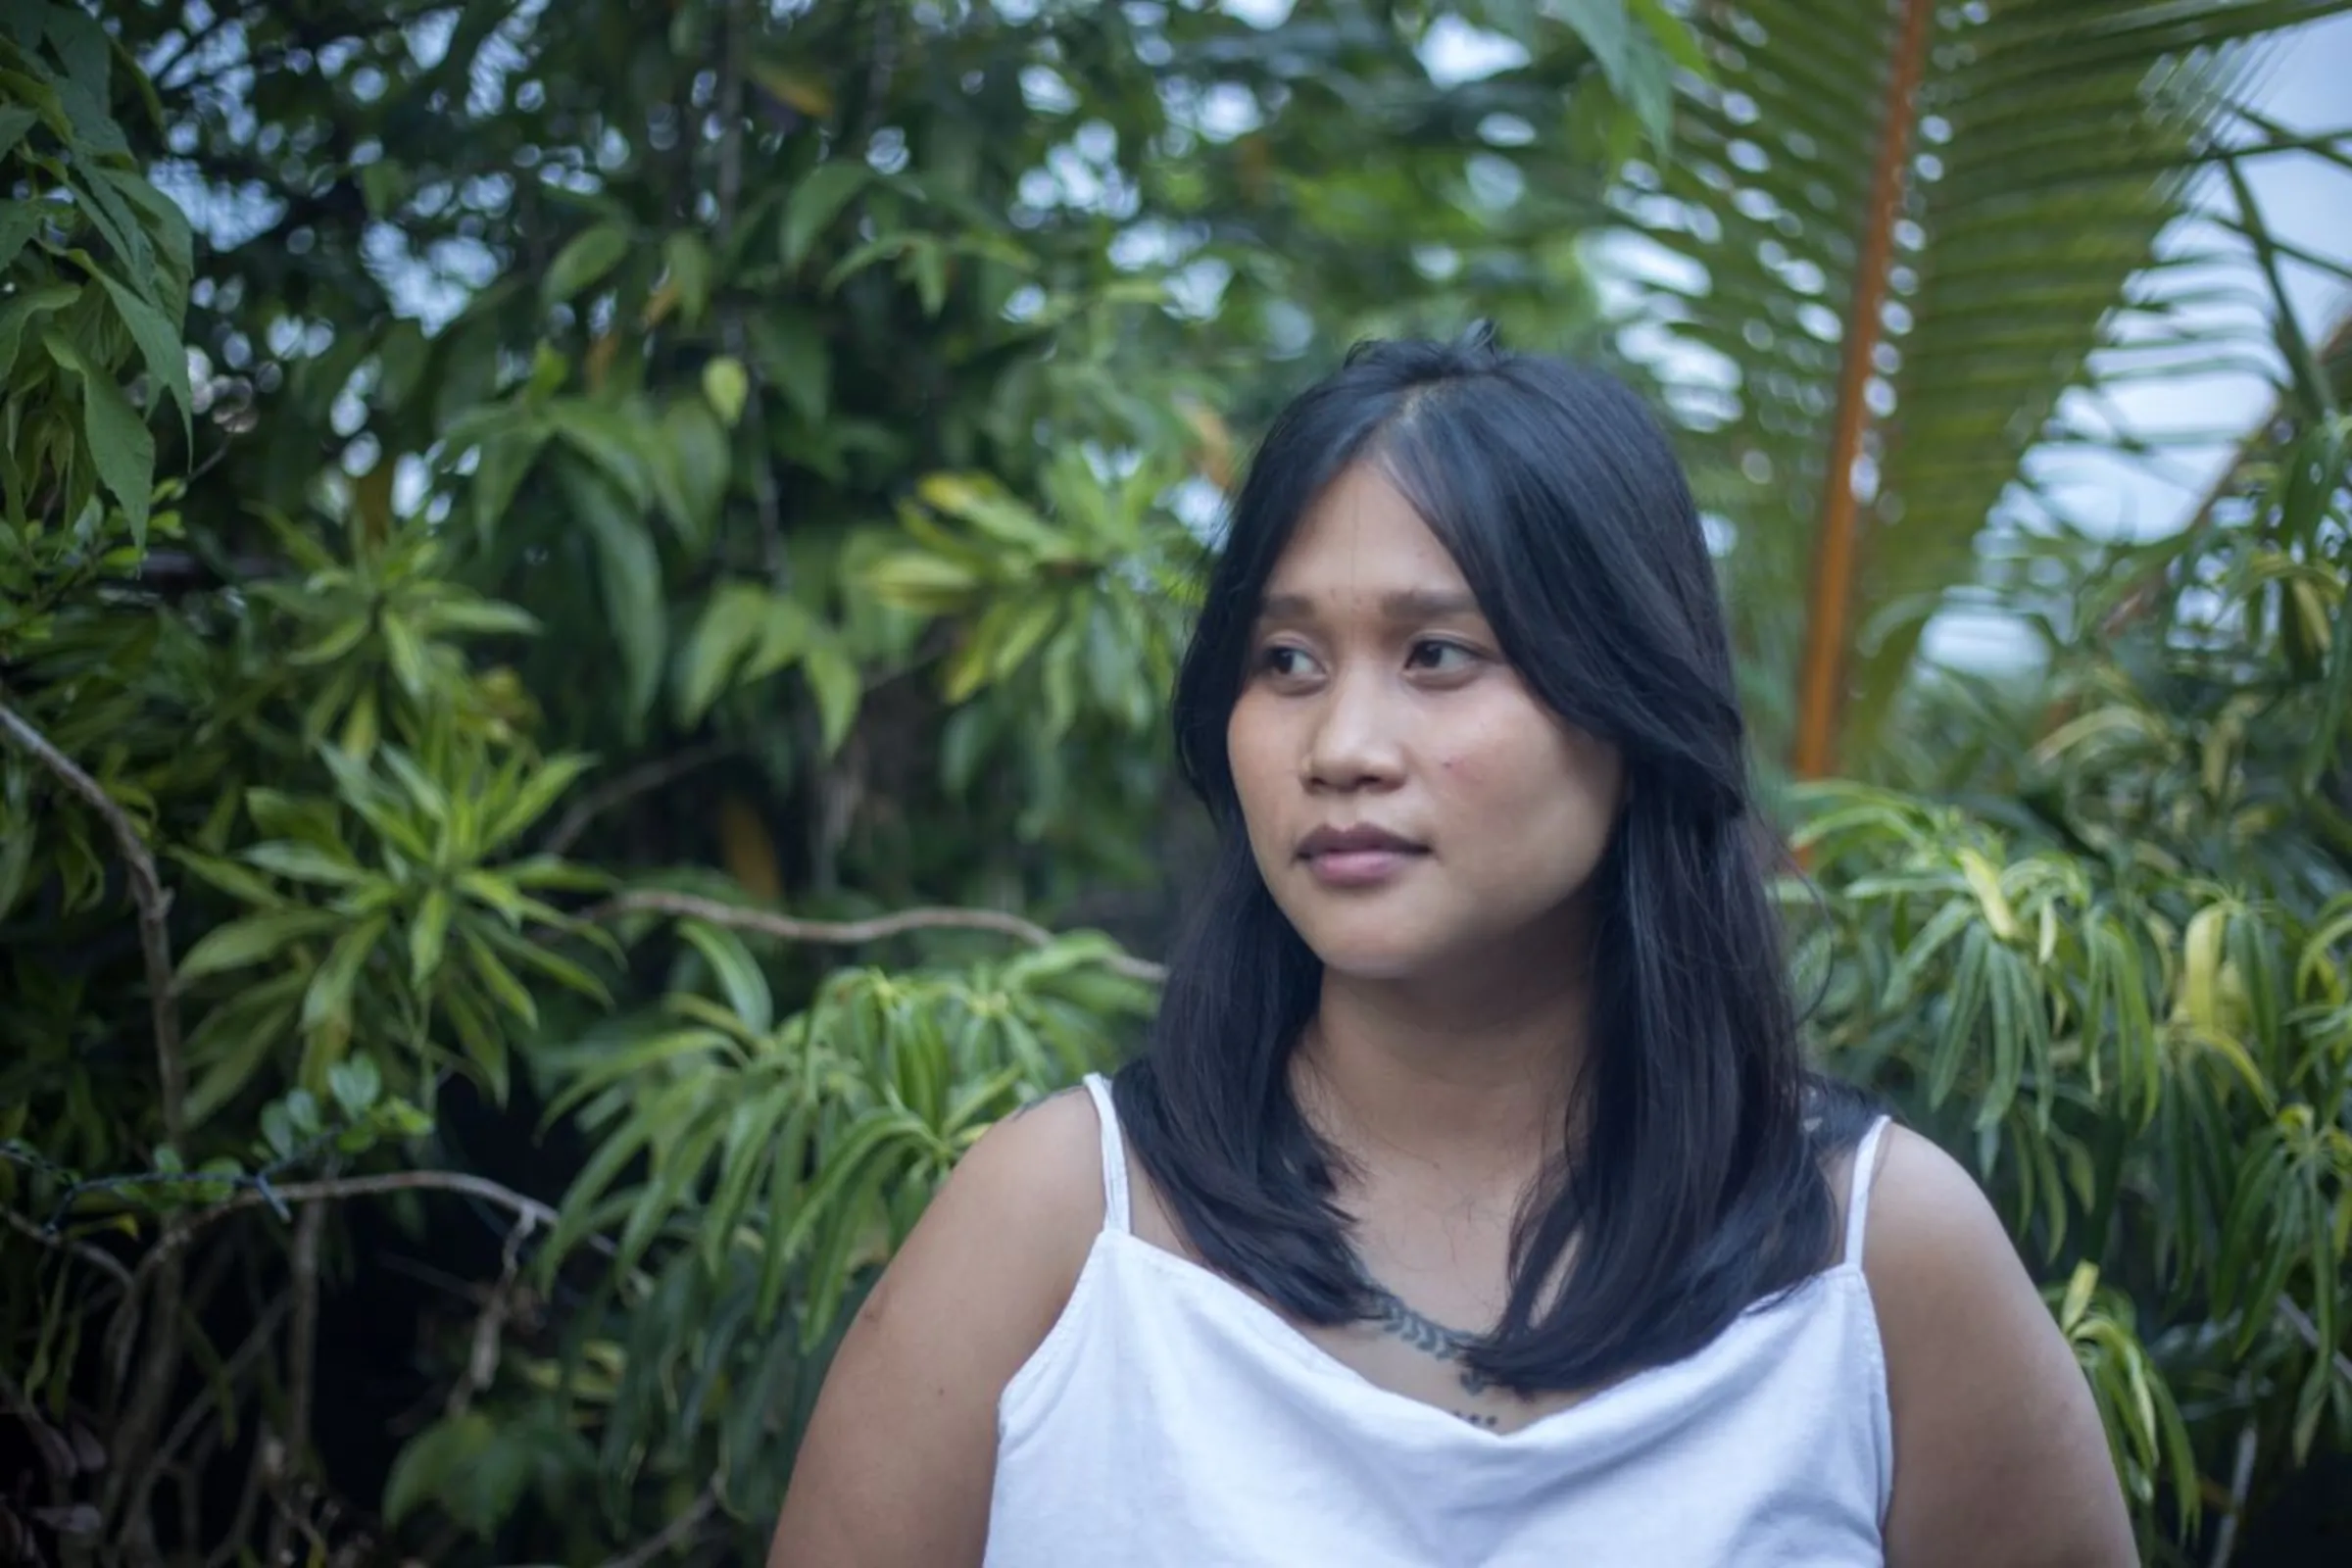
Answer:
(1281, 1334)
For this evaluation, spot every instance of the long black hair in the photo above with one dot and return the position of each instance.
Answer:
(1693, 1186)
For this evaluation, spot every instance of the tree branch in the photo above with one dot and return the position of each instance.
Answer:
(65, 1244)
(854, 933)
(676, 1533)
(234, 1368)
(399, 1181)
(147, 891)
(481, 1367)
(160, 1366)
(302, 1360)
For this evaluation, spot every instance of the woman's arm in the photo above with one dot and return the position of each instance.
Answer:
(901, 1451)
(1998, 1452)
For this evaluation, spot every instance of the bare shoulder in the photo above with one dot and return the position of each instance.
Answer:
(1923, 1203)
(1013, 1223)
(900, 1454)
(1999, 1451)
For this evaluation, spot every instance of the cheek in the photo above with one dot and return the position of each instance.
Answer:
(1532, 773)
(1251, 754)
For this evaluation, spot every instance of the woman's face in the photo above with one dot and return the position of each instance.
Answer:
(1411, 805)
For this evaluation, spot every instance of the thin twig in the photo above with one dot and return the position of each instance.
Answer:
(159, 1367)
(2241, 1480)
(233, 1369)
(854, 933)
(482, 1365)
(83, 1250)
(639, 780)
(302, 1360)
(2308, 1332)
(677, 1531)
(399, 1181)
(147, 891)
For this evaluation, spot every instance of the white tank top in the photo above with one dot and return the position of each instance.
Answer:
(1170, 1418)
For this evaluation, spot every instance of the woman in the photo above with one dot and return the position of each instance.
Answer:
(1471, 1203)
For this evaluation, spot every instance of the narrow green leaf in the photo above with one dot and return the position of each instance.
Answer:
(542, 960)
(15, 121)
(546, 785)
(688, 260)
(851, 1203)
(306, 862)
(786, 1171)
(738, 973)
(230, 878)
(583, 261)
(742, 1161)
(18, 222)
(23, 310)
(730, 624)
(497, 979)
(833, 675)
(249, 941)
(816, 202)
(694, 446)
(404, 652)
(119, 443)
(428, 933)
(160, 344)
(329, 997)
(629, 573)
(641, 1059)
(250, 1032)
(481, 617)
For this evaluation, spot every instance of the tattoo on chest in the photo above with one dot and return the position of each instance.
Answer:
(1431, 1338)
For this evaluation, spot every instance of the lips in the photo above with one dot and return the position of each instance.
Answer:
(1353, 841)
(1357, 856)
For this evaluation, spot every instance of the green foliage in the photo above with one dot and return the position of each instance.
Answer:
(644, 501)
(694, 459)
(97, 269)
(2104, 946)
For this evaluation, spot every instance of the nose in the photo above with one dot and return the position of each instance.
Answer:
(1352, 743)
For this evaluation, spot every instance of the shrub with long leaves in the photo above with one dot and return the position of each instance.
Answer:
(2109, 951)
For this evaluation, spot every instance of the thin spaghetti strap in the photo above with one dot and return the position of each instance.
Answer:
(1857, 1201)
(1114, 1155)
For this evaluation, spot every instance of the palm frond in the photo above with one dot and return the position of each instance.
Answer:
(1900, 231)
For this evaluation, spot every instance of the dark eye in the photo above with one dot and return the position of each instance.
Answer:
(1444, 658)
(1284, 662)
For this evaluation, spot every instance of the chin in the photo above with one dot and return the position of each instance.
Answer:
(1385, 960)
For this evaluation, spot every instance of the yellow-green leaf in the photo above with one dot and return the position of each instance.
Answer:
(1986, 882)
(727, 386)
(428, 932)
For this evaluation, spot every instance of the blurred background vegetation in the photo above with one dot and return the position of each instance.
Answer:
(586, 593)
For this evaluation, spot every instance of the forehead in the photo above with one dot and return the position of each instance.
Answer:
(1361, 535)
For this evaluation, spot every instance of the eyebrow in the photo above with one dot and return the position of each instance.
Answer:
(1408, 604)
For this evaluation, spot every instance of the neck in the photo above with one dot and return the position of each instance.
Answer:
(1466, 1083)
